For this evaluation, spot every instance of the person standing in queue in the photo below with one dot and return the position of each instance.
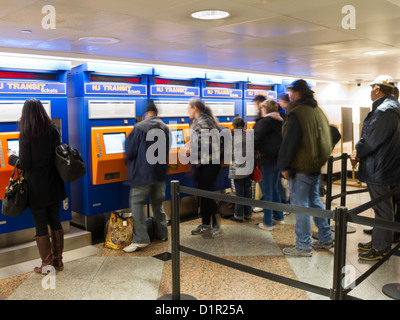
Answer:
(258, 100)
(378, 154)
(38, 140)
(267, 141)
(147, 174)
(305, 148)
(206, 171)
(241, 180)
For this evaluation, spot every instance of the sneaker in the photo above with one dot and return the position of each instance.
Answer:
(247, 217)
(201, 229)
(297, 252)
(265, 227)
(135, 247)
(257, 209)
(365, 246)
(213, 232)
(278, 221)
(322, 245)
(372, 255)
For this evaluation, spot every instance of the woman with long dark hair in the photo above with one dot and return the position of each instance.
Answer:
(206, 172)
(37, 142)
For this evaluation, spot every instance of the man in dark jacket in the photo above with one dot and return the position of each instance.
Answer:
(378, 152)
(306, 146)
(147, 149)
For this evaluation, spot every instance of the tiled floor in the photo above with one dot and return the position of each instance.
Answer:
(112, 274)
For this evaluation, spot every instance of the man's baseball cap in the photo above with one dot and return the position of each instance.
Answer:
(383, 80)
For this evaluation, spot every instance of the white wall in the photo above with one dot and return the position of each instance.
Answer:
(333, 96)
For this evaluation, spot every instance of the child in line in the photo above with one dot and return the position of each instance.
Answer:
(242, 182)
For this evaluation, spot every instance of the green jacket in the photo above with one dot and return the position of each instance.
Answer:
(316, 142)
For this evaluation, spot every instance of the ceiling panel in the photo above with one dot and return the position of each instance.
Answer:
(296, 37)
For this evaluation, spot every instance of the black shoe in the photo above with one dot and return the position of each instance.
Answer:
(365, 246)
(372, 255)
(367, 231)
(234, 219)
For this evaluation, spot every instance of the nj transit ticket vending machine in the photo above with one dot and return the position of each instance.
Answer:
(171, 90)
(22, 79)
(265, 86)
(104, 102)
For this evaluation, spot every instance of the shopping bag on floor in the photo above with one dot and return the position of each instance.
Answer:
(119, 231)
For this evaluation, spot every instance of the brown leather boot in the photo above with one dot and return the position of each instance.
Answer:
(57, 243)
(44, 246)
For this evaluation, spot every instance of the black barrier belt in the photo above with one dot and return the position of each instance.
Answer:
(374, 202)
(339, 158)
(372, 269)
(328, 214)
(336, 196)
(382, 224)
(260, 273)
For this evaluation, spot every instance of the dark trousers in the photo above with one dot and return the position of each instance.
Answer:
(47, 216)
(243, 189)
(381, 239)
(205, 177)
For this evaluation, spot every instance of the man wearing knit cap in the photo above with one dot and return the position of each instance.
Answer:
(147, 174)
(306, 146)
(378, 152)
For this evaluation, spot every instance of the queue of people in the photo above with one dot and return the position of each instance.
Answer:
(293, 144)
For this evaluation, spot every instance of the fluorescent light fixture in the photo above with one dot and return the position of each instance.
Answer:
(210, 15)
(26, 31)
(99, 40)
(374, 53)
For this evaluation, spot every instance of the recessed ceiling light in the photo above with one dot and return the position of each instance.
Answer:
(99, 40)
(374, 53)
(26, 31)
(210, 15)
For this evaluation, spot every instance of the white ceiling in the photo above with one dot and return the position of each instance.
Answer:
(292, 37)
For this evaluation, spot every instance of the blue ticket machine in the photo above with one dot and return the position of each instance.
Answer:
(22, 79)
(104, 103)
(258, 86)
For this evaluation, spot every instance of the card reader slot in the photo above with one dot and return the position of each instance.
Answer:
(1, 156)
(100, 154)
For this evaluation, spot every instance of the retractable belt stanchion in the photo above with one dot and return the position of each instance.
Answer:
(340, 253)
(175, 254)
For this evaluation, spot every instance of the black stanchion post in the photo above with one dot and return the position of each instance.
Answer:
(175, 251)
(329, 181)
(340, 253)
(176, 277)
(344, 180)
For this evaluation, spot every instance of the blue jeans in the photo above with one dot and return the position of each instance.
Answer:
(243, 189)
(138, 196)
(270, 190)
(304, 192)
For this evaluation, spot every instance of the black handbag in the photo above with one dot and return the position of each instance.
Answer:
(16, 197)
(69, 163)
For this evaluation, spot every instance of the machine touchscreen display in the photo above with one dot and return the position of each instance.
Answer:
(114, 142)
(178, 139)
(13, 145)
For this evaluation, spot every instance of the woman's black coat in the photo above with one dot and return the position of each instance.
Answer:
(36, 159)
